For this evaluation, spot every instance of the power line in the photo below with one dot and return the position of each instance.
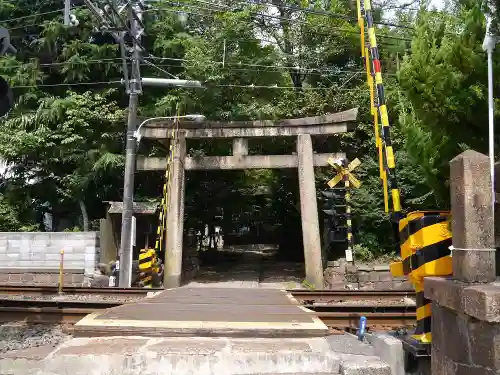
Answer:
(318, 12)
(67, 84)
(284, 87)
(18, 9)
(93, 61)
(263, 65)
(36, 15)
(31, 15)
(278, 18)
(229, 66)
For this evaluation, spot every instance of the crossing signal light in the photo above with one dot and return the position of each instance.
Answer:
(331, 195)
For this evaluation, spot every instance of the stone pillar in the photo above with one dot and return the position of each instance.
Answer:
(107, 244)
(309, 212)
(472, 218)
(240, 147)
(466, 309)
(175, 217)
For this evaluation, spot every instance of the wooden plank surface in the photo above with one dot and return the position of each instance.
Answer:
(213, 304)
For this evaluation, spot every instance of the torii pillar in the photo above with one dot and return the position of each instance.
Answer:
(309, 212)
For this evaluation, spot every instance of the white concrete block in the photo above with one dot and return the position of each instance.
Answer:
(14, 243)
(89, 250)
(52, 257)
(390, 350)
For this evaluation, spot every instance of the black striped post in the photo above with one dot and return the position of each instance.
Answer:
(348, 219)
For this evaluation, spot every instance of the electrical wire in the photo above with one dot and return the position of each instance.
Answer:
(285, 87)
(229, 66)
(252, 87)
(37, 15)
(263, 65)
(29, 8)
(274, 17)
(319, 12)
(67, 84)
(31, 15)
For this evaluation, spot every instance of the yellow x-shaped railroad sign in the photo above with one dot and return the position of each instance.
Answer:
(343, 172)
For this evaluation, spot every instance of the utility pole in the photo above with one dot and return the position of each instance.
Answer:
(489, 44)
(108, 15)
(67, 9)
(135, 88)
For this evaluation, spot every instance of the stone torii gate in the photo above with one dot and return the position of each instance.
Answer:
(305, 160)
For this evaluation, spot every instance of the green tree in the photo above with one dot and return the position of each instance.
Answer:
(444, 82)
(66, 146)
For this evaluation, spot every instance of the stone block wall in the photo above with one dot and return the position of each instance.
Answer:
(465, 327)
(34, 257)
(339, 275)
(463, 345)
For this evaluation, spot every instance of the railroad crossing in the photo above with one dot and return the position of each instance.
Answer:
(344, 173)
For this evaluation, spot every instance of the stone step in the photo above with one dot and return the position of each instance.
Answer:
(200, 356)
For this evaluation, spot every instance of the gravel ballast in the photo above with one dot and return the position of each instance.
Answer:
(19, 335)
(72, 297)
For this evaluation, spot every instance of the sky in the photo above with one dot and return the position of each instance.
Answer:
(437, 3)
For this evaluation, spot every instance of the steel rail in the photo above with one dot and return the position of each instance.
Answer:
(70, 312)
(51, 290)
(299, 294)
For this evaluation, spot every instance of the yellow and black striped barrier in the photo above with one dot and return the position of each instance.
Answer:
(147, 262)
(424, 236)
(425, 239)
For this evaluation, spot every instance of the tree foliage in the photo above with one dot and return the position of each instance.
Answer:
(63, 142)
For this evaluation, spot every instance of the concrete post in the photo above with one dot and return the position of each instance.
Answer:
(240, 147)
(175, 217)
(309, 212)
(472, 218)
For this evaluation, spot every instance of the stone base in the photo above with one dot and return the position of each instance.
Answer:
(481, 301)
(202, 356)
(465, 327)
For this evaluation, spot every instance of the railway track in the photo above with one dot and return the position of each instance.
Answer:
(324, 303)
(328, 296)
(300, 295)
(53, 290)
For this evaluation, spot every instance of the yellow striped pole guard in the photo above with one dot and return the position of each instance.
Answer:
(147, 261)
(425, 239)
